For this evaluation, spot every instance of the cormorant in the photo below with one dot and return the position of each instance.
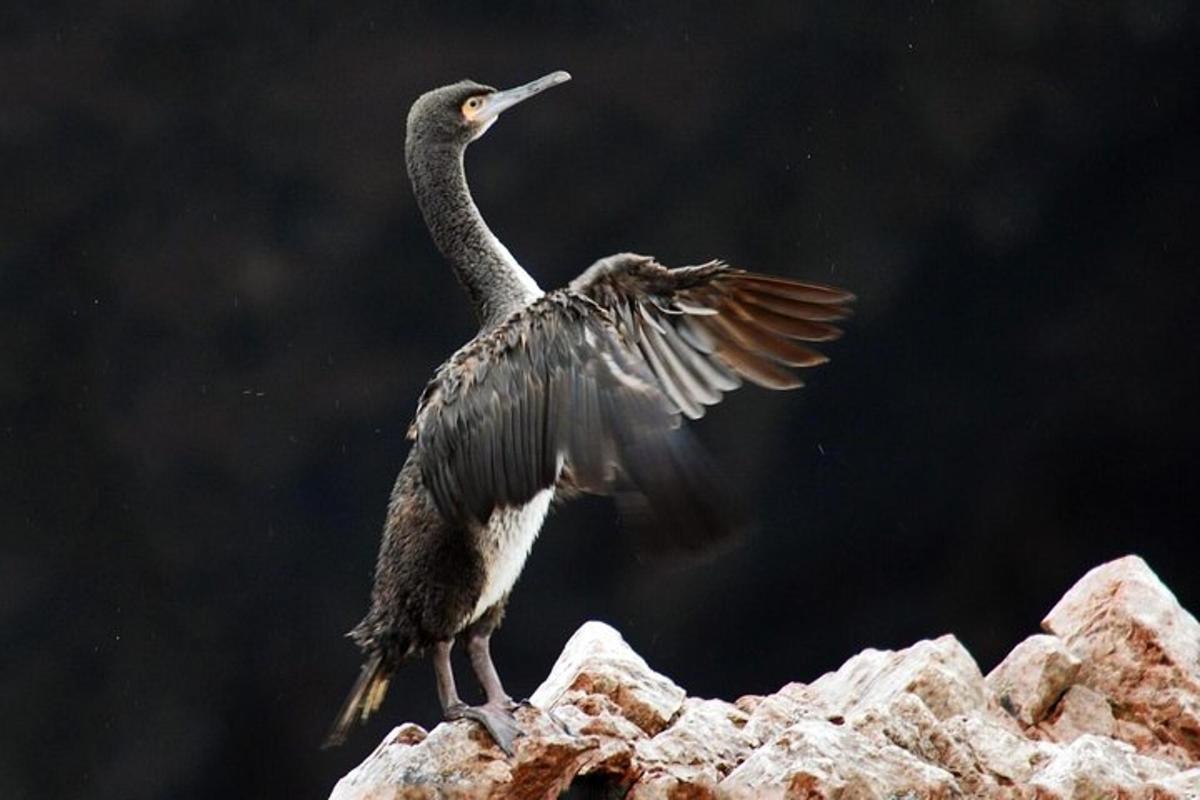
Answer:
(578, 389)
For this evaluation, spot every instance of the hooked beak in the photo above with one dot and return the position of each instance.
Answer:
(502, 101)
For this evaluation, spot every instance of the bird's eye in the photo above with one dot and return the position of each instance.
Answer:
(471, 107)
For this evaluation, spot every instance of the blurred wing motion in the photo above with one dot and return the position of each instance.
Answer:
(585, 387)
(554, 395)
(702, 329)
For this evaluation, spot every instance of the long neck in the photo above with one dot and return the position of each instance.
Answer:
(495, 282)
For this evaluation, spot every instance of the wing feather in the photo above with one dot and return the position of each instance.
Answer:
(556, 390)
(758, 370)
(692, 386)
(586, 386)
(701, 329)
(711, 375)
(672, 382)
(746, 335)
(795, 309)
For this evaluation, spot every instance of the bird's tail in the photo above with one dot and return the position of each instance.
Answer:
(364, 699)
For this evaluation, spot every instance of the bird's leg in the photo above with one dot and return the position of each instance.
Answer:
(497, 719)
(447, 692)
(480, 650)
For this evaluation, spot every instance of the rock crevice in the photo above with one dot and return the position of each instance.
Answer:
(1105, 703)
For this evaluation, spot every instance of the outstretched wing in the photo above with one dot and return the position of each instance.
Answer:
(554, 391)
(702, 329)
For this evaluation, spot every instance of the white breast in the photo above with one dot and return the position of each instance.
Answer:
(509, 535)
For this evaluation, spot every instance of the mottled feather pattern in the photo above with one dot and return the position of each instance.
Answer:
(581, 389)
(503, 412)
(558, 394)
(589, 382)
(702, 329)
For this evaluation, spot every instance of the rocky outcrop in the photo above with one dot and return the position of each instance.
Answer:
(1105, 704)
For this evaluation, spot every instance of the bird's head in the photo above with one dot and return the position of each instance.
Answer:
(462, 112)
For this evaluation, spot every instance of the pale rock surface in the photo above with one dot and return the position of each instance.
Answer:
(1141, 650)
(1102, 706)
(1080, 711)
(771, 714)
(597, 661)
(995, 757)
(1033, 676)
(702, 746)
(816, 758)
(1094, 767)
(941, 673)
(457, 760)
(1181, 784)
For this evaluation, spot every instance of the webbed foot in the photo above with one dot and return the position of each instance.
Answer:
(495, 718)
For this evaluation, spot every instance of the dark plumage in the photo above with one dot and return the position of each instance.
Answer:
(580, 389)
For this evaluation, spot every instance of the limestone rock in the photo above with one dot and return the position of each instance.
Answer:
(1033, 677)
(940, 673)
(1102, 706)
(701, 747)
(1080, 711)
(458, 760)
(597, 661)
(1141, 650)
(771, 714)
(1095, 766)
(1181, 784)
(993, 756)
(816, 758)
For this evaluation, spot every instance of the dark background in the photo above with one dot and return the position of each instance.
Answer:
(218, 305)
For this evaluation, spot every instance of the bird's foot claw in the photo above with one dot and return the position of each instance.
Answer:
(495, 718)
(527, 703)
(560, 723)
